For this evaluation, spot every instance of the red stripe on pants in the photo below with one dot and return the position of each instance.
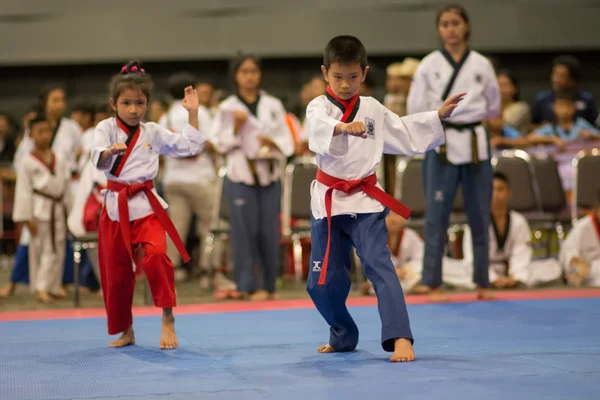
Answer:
(149, 241)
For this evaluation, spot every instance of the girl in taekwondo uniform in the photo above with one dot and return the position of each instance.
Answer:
(249, 128)
(465, 157)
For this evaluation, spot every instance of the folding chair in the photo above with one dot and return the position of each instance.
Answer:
(296, 206)
(518, 167)
(586, 182)
(219, 226)
(82, 243)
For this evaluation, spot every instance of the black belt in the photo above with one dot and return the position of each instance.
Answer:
(463, 127)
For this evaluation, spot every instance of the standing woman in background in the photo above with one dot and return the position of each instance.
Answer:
(250, 130)
(465, 157)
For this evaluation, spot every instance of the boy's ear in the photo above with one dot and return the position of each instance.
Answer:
(364, 76)
(324, 70)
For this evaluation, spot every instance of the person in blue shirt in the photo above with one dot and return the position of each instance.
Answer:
(566, 72)
(567, 126)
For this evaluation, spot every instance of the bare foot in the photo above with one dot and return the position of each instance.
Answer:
(485, 294)
(365, 288)
(326, 348)
(259, 295)
(421, 289)
(403, 351)
(9, 290)
(127, 338)
(437, 296)
(61, 294)
(44, 297)
(168, 340)
(273, 296)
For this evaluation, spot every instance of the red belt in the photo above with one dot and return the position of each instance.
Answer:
(125, 191)
(367, 185)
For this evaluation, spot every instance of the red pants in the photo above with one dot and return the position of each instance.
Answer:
(149, 243)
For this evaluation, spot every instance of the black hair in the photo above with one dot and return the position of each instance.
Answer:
(131, 76)
(237, 61)
(514, 80)
(45, 93)
(345, 49)
(178, 82)
(84, 107)
(502, 176)
(39, 118)
(103, 108)
(565, 95)
(460, 10)
(573, 65)
(13, 125)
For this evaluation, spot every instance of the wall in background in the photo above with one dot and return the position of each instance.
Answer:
(68, 31)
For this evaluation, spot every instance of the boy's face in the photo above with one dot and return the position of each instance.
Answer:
(205, 92)
(41, 134)
(561, 78)
(84, 120)
(344, 79)
(564, 109)
(500, 195)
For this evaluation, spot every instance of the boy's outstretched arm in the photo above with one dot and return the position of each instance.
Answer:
(324, 135)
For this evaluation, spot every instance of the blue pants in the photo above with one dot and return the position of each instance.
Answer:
(255, 233)
(20, 271)
(368, 234)
(441, 182)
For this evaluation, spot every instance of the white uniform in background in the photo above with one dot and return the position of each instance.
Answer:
(270, 120)
(512, 256)
(478, 79)
(66, 142)
(583, 241)
(409, 258)
(351, 158)
(42, 195)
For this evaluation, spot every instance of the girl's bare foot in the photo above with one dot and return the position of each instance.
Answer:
(485, 294)
(44, 297)
(403, 351)
(127, 338)
(421, 289)
(326, 348)
(437, 296)
(168, 339)
(9, 290)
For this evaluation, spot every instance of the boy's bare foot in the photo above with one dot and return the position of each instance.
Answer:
(485, 294)
(9, 290)
(127, 338)
(437, 296)
(61, 294)
(403, 351)
(168, 339)
(44, 297)
(326, 348)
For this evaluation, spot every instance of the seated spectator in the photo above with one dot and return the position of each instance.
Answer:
(580, 252)
(515, 112)
(407, 249)
(567, 126)
(510, 249)
(566, 72)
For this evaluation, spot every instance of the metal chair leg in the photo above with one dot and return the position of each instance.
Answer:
(77, 247)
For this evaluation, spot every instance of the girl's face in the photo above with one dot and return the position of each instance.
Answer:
(507, 89)
(56, 103)
(248, 75)
(452, 28)
(130, 106)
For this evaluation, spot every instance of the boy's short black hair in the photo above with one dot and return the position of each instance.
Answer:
(565, 95)
(571, 63)
(345, 49)
(85, 107)
(502, 176)
(38, 119)
(178, 82)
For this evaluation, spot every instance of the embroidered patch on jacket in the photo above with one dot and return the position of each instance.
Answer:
(370, 125)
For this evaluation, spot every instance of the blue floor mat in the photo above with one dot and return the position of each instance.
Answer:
(533, 349)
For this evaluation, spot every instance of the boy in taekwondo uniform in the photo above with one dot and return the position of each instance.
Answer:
(349, 134)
